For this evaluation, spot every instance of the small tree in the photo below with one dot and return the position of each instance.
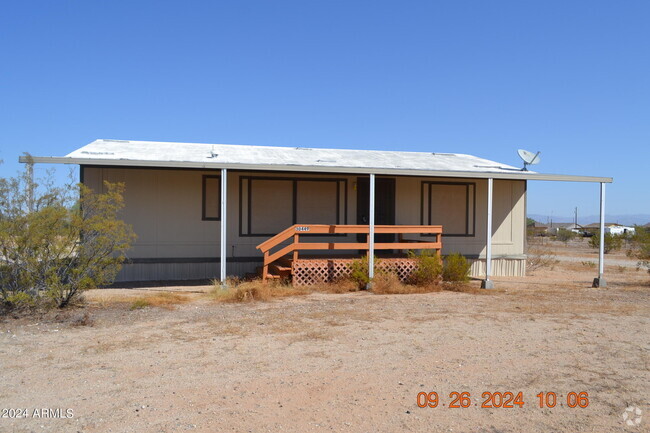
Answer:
(640, 247)
(57, 241)
(612, 242)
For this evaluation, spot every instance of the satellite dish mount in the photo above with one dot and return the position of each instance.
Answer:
(529, 158)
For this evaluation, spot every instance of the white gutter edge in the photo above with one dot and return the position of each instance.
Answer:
(520, 175)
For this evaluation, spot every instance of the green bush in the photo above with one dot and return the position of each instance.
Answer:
(455, 268)
(359, 271)
(429, 269)
(612, 242)
(20, 300)
(640, 247)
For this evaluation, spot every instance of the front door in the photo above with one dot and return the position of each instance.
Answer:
(384, 205)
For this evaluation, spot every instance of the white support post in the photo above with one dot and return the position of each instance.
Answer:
(600, 280)
(371, 230)
(30, 188)
(487, 283)
(224, 225)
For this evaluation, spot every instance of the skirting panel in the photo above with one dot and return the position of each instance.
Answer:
(501, 267)
(181, 271)
(514, 267)
(314, 271)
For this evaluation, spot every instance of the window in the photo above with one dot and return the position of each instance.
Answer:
(451, 205)
(269, 205)
(211, 198)
(317, 202)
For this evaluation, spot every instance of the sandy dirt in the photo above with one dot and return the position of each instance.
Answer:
(344, 363)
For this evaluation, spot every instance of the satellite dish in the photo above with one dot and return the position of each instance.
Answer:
(529, 158)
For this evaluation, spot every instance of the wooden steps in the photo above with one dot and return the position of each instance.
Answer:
(277, 264)
(280, 270)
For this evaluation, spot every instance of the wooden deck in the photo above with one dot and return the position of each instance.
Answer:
(285, 261)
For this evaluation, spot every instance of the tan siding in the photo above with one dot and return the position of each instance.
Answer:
(502, 213)
(164, 208)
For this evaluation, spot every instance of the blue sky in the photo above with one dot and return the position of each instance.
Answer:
(571, 79)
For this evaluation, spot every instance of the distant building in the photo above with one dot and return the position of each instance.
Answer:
(611, 228)
(555, 227)
(539, 229)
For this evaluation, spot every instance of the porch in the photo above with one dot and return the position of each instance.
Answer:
(282, 260)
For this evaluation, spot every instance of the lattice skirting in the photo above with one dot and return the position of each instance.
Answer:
(314, 271)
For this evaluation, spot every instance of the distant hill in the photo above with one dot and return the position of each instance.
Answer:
(639, 219)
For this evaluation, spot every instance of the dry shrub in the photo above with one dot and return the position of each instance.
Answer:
(466, 288)
(540, 257)
(164, 300)
(255, 290)
(83, 320)
(139, 304)
(343, 285)
(388, 283)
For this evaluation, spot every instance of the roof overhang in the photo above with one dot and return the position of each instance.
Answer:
(515, 175)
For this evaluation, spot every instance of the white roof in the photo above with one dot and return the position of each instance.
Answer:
(201, 155)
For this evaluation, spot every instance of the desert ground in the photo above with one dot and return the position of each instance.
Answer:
(352, 362)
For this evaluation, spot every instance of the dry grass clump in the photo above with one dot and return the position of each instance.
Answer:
(83, 320)
(384, 283)
(344, 285)
(465, 287)
(254, 290)
(163, 299)
(388, 283)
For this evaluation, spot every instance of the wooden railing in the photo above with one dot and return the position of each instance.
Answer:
(324, 229)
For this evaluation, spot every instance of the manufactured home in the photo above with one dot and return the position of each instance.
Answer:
(213, 210)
